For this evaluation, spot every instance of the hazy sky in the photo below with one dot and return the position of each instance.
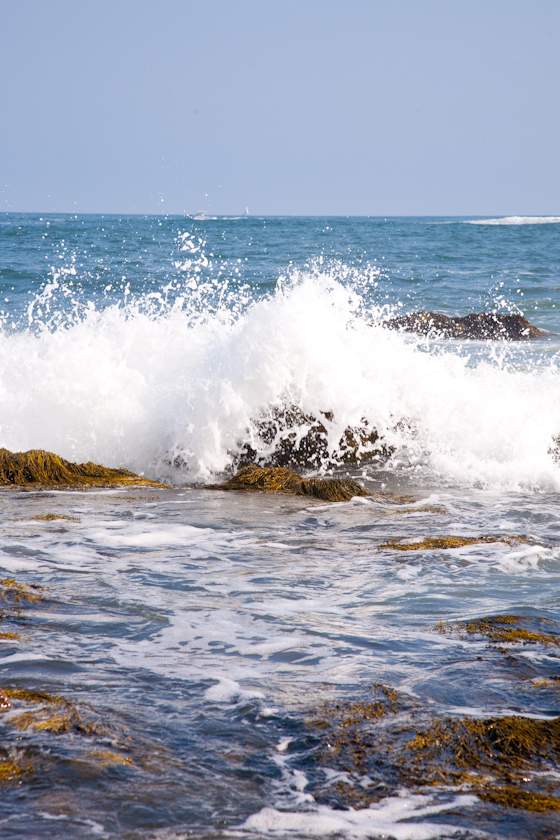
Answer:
(311, 107)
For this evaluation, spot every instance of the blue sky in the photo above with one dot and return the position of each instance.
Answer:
(306, 107)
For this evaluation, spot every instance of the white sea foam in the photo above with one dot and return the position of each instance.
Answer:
(517, 220)
(173, 395)
(383, 819)
(227, 690)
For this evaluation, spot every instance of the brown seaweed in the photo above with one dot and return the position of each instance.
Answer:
(48, 517)
(52, 713)
(285, 481)
(13, 596)
(11, 770)
(512, 797)
(38, 719)
(13, 592)
(501, 629)
(507, 761)
(39, 468)
(448, 542)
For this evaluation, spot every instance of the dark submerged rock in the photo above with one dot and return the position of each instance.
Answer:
(281, 480)
(479, 326)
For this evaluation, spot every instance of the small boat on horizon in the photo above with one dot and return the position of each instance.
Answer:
(202, 216)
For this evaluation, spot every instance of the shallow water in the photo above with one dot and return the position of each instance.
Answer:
(203, 631)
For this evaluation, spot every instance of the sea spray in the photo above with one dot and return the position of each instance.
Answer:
(173, 391)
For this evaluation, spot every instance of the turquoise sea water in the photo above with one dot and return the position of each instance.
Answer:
(202, 631)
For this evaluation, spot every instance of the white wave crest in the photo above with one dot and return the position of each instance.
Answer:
(173, 396)
(517, 220)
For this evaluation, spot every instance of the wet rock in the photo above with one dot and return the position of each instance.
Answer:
(53, 713)
(504, 629)
(41, 729)
(11, 771)
(480, 326)
(507, 761)
(282, 480)
(39, 468)
(512, 797)
(15, 594)
(52, 740)
(13, 597)
(554, 450)
(287, 437)
(500, 745)
(442, 543)
(4, 700)
(49, 517)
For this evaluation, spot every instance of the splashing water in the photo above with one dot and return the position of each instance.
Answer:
(230, 664)
(177, 377)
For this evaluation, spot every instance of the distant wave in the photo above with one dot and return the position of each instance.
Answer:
(517, 220)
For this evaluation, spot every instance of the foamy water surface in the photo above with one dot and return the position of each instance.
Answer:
(207, 628)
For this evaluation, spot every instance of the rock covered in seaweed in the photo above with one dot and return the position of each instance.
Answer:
(504, 760)
(481, 325)
(282, 480)
(443, 543)
(54, 718)
(506, 629)
(37, 467)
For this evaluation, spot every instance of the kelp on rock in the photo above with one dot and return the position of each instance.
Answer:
(284, 481)
(388, 740)
(40, 468)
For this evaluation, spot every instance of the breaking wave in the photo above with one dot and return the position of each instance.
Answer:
(176, 390)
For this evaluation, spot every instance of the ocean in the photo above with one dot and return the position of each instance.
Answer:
(189, 662)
